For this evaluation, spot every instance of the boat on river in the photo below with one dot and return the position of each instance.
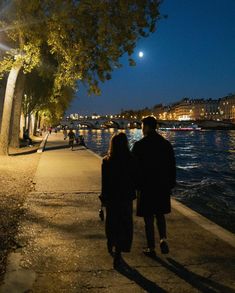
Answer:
(192, 127)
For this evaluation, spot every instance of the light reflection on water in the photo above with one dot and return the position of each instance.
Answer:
(189, 166)
(205, 166)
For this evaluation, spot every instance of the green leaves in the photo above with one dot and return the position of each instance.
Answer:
(131, 62)
(75, 40)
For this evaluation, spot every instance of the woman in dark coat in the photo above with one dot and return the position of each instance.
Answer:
(118, 193)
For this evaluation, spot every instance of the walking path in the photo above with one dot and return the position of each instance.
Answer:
(63, 170)
(63, 247)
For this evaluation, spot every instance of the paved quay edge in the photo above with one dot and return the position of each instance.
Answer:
(43, 143)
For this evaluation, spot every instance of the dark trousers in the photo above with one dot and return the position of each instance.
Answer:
(149, 228)
(71, 143)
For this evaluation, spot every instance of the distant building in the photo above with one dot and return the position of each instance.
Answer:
(227, 108)
(189, 109)
(145, 112)
(210, 110)
(182, 110)
(193, 109)
(165, 113)
(157, 110)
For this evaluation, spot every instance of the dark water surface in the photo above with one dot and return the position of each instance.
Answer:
(205, 168)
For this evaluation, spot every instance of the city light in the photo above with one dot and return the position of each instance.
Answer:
(184, 110)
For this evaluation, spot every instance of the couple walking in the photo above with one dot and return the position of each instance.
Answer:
(148, 171)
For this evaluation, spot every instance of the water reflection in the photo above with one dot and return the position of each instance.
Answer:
(189, 166)
(231, 149)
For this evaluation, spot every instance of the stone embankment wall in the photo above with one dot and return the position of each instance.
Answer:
(210, 124)
(205, 124)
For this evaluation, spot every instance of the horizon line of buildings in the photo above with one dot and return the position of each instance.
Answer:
(222, 109)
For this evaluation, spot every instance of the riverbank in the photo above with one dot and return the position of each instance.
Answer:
(16, 181)
(215, 125)
(222, 216)
(204, 124)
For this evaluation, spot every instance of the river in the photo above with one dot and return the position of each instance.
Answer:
(205, 168)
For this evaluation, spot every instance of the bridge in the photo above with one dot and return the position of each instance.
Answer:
(118, 123)
(99, 123)
(123, 123)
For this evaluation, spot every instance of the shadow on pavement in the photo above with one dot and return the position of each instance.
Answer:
(29, 152)
(58, 147)
(24, 152)
(202, 284)
(140, 280)
(80, 149)
(197, 281)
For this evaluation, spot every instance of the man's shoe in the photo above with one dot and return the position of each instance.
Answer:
(117, 260)
(164, 247)
(149, 252)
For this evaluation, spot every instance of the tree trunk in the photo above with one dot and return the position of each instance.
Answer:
(25, 122)
(7, 110)
(39, 121)
(35, 124)
(29, 123)
(16, 111)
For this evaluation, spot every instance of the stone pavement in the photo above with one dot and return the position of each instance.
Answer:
(63, 247)
(63, 170)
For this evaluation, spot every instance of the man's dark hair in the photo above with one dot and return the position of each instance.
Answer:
(150, 121)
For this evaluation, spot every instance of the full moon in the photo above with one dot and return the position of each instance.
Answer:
(141, 54)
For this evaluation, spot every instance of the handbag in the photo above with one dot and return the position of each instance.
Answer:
(101, 213)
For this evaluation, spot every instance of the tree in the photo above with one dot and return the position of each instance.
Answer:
(20, 54)
(37, 93)
(40, 97)
(16, 111)
(101, 32)
(86, 39)
(6, 116)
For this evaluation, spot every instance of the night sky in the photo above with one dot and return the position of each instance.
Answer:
(191, 54)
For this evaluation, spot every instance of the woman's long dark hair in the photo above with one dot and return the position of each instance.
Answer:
(118, 146)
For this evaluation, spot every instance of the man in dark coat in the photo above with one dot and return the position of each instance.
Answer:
(156, 160)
